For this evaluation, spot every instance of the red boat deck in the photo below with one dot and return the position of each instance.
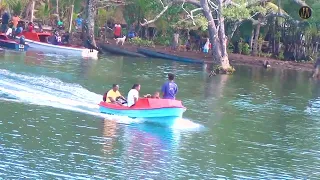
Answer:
(4, 37)
(42, 37)
(146, 103)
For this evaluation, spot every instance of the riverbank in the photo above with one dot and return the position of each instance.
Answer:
(235, 59)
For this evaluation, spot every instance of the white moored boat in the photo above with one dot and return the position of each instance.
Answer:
(38, 41)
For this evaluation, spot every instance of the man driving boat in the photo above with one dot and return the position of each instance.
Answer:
(112, 95)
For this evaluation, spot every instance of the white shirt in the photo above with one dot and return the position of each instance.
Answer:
(9, 32)
(133, 93)
(206, 46)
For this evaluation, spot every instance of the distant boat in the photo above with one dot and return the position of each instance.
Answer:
(39, 42)
(6, 42)
(156, 54)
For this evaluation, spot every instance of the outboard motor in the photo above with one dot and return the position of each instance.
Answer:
(22, 40)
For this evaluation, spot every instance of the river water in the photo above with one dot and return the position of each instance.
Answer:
(256, 124)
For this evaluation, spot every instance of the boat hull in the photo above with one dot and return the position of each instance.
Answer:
(145, 113)
(13, 45)
(61, 49)
(71, 51)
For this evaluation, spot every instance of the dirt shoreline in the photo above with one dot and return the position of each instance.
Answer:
(235, 59)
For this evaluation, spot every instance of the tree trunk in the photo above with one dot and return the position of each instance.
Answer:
(256, 39)
(70, 19)
(217, 36)
(251, 39)
(91, 13)
(57, 9)
(32, 10)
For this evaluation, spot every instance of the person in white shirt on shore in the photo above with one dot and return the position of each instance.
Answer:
(133, 95)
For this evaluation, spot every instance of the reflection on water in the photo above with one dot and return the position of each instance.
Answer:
(109, 132)
(151, 148)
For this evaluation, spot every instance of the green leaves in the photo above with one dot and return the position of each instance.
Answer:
(43, 12)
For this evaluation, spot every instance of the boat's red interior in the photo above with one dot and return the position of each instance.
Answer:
(5, 38)
(34, 36)
(42, 37)
(146, 103)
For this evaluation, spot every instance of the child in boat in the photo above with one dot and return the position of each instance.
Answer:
(156, 95)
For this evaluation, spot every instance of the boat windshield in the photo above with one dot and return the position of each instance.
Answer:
(43, 38)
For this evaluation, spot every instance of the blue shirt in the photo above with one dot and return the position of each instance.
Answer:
(169, 90)
(5, 18)
(79, 21)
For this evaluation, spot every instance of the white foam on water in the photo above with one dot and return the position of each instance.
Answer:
(46, 91)
(186, 124)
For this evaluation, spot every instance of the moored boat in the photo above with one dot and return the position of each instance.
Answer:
(39, 42)
(146, 108)
(6, 42)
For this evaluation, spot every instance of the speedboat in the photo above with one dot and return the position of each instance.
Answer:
(146, 108)
(39, 42)
(6, 42)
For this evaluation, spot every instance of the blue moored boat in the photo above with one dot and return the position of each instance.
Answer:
(146, 108)
(156, 54)
(11, 44)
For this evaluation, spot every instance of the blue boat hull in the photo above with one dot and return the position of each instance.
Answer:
(146, 113)
(13, 45)
(156, 54)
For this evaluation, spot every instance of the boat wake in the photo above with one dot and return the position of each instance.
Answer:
(46, 91)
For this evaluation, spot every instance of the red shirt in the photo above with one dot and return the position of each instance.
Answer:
(30, 28)
(117, 30)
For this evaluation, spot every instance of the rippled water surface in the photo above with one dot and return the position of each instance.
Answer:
(256, 124)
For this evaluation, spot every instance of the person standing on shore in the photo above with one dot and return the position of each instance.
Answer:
(206, 46)
(170, 88)
(175, 41)
(117, 31)
(78, 23)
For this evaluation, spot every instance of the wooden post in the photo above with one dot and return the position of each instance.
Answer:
(32, 10)
(71, 15)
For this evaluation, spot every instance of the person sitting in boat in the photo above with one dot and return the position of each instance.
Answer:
(22, 40)
(19, 29)
(65, 38)
(9, 31)
(40, 27)
(113, 95)
(30, 27)
(133, 95)
(57, 38)
(156, 95)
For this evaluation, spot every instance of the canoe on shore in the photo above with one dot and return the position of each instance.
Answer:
(120, 51)
(156, 54)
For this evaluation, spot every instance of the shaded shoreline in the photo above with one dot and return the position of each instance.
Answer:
(235, 59)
